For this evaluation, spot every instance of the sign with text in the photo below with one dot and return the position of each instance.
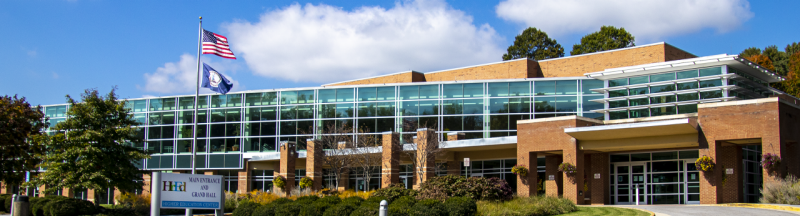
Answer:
(466, 162)
(551, 177)
(729, 171)
(597, 176)
(191, 191)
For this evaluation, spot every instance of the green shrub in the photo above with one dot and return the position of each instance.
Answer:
(315, 209)
(306, 199)
(356, 201)
(365, 210)
(341, 209)
(401, 205)
(786, 191)
(456, 206)
(3, 202)
(63, 207)
(246, 208)
(333, 200)
(430, 207)
(281, 201)
(265, 210)
(523, 206)
(476, 188)
(394, 191)
(288, 209)
(37, 206)
(7, 203)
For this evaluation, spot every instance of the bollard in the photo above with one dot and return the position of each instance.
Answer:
(21, 206)
(384, 210)
(637, 194)
(13, 198)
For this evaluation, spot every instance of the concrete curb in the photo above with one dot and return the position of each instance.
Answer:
(600, 206)
(760, 206)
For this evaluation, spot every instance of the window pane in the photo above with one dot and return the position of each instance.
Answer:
(366, 125)
(710, 83)
(473, 122)
(618, 93)
(618, 103)
(498, 122)
(544, 104)
(364, 94)
(429, 92)
(687, 97)
(288, 97)
(618, 115)
(202, 117)
(305, 96)
(519, 89)
(218, 101)
(588, 85)
(409, 108)
(640, 113)
(662, 77)
(385, 93)
(366, 110)
(639, 91)
(218, 115)
(385, 109)
(662, 88)
(658, 111)
(688, 85)
(662, 99)
(344, 95)
(639, 102)
(687, 74)
(234, 100)
(269, 128)
(690, 108)
(186, 103)
(305, 112)
(567, 104)
(453, 91)
(710, 71)
(327, 95)
(232, 115)
(519, 105)
(155, 105)
(428, 107)
(385, 124)
(409, 92)
(288, 128)
(202, 101)
(567, 87)
(452, 123)
(288, 112)
(217, 130)
(711, 94)
(590, 105)
(344, 110)
(473, 90)
(327, 110)
(639, 80)
(544, 87)
(618, 82)
(472, 106)
(498, 89)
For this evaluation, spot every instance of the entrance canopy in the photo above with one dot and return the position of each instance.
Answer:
(668, 134)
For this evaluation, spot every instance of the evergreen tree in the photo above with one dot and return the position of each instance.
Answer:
(608, 38)
(535, 44)
(750, 52)
(93, 147)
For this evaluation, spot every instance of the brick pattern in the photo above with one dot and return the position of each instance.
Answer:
(314, 158)
(287, 166)
(599, 187)
(579, 65)
(390, 162)
(514, 69)
(731, 158)
(145, 186)
(553, 187)
(42, 193)
(244, 175)
(528, 185)
(406, 77)
(426, 165)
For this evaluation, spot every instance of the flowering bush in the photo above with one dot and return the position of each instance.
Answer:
(770, 161)
(567, 168)
(520, 170)
(704, 163)
(279, 181)
(306, 182)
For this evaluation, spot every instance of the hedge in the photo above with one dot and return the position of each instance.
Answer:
(477, 188)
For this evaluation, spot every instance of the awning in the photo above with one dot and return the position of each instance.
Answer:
(679, 133)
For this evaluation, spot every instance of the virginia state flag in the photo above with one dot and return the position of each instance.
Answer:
(215, 81)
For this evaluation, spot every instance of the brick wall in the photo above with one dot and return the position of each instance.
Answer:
(599, 187)
(406, 77)
(314, 154)
(581, 64)
(390, 165)
(514, 69)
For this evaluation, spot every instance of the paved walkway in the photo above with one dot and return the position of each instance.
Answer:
(690, 210)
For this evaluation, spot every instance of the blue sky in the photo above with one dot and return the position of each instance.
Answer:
(147, 48)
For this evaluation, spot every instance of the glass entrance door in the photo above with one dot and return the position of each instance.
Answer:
(630, 178)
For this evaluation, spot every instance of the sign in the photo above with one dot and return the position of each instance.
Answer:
(729, 171)
(551, 177)
(466, 162)
(189, 191)
(597, 176)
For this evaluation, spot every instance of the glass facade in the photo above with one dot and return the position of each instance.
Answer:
(660, 178)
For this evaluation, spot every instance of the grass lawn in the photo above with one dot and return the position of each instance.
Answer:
(606, 211)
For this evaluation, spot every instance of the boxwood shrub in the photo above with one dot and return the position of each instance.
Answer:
(287, 209)
(341, 209)
(456, 206)
(315, 209)
(477, 188)
(246, 208)
(394, 191)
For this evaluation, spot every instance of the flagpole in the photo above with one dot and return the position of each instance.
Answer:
(196, 101)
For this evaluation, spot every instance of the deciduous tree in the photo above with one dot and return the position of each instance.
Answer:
(762, 60)
(21, 138)
(535, 44)
(608, 38)
(93, 147)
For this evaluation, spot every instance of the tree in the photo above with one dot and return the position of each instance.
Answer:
(762, 60)
(792, 48)
(792, 83)
(366, 155)
(93, 147)
(608, 38)
(750, 52)
(535, 44)
(21, 138)
(336, 145)
(418, 155)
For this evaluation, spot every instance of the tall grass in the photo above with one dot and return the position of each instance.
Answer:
(527, 206)
(786, 191)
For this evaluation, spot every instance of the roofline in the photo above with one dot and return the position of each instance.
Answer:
(613, 50)
(658, 67)
(372, 77)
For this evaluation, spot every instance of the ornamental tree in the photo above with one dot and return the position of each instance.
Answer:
(21, 138)
(608, 38)
(92, 149)
(535, 44)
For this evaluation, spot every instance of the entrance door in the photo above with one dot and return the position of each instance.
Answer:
(630, 178)
(360, 185)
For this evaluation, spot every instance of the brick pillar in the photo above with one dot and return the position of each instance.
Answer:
(730, 157)
(599, 187)
(3, 189)
(209, 172)
(287, 165)
(344, 181)
(41, 190)
(553, 187)
(276, 172)
(90, 195)
(117, 193)
(425, 161)
(145, 186)
(711, 190)
(455, 136)
(527, 185)
(69, 193)
(244, 178)
(390, 161)
(573, 183)
(314, 154)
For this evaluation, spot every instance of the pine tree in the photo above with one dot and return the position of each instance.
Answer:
(535, 44)
(608, 38)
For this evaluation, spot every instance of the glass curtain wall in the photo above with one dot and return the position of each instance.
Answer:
(660, 178)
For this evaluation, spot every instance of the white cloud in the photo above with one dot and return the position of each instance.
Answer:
(322, 43)
(645, 19)
(180, 76)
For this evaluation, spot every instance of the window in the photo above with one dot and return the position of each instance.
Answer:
(226, 115)
(229, 100)
(687, 97)
(297, 97)
(618, 93)
(658, 111)
(689, 108)
(375, 93)
(588, 104)
(662, 99)
(336, 95)
(639, 113)
(638, 80)
(567, 87)
(662, 77)
(509, 105)
(638, 102)
(687, 85)
(544, 87)
(711, 94)
(710, 71)
(509, 89)
(419, 92)
(662, 88)
(640, 91)
(162, 104)
(618, 82)
(259, 99)
(618, 103)
(687, 74)
(588, 85)
(710, 83)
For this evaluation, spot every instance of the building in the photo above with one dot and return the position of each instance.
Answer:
(630, 118)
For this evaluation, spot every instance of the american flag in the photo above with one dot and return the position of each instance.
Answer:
(216, 44)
